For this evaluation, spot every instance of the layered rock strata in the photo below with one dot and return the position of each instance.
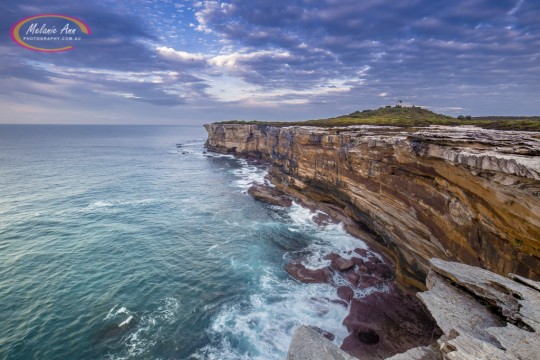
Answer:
(457, 193)
(483, 315)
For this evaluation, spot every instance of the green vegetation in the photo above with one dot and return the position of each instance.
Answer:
(412, 117)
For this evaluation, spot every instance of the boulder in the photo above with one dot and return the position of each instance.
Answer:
(270, 195)
(331, 256)
(345, 293)
(361, 252)
(341, 264)
(305, 275)
(352, 278)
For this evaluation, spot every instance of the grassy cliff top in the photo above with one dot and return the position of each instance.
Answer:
(411, 117)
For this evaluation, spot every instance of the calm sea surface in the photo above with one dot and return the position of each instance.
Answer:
(116, 244)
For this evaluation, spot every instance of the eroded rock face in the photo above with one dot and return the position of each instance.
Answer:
(456, 193)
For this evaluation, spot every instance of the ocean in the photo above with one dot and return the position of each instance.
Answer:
(117, 244)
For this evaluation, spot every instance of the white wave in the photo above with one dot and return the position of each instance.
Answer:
(146, 334)
(167, 311)
(114, 312)
(333, 238)
(100, 204)
(127, 321)
(249, 175)
(192, 144)
(301, 216)
(217, 155)
(265, 323)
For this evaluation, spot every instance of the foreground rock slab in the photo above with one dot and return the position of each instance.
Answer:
(307, 344)
(483, 315)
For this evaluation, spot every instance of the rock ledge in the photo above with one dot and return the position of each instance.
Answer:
(484, 316)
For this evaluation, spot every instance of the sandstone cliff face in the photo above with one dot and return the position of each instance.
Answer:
(456, 193)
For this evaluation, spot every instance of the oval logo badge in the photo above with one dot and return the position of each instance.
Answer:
(49, 32)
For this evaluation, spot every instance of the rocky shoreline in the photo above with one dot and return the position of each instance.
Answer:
(482, 315)
(461, 194)
(385, 320)
(456, 193)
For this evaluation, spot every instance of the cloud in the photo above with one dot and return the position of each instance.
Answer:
(243, 58)
(179, 56)
(308, 56)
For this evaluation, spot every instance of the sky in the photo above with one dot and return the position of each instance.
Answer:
(194, 62)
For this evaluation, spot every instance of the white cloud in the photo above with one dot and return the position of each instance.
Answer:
(228, 88)
(229, 60)
(177, 55)
(233, 59)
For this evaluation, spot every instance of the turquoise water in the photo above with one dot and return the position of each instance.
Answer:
(116, 244)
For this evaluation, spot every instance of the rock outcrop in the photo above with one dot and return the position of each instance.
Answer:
(457, 193)
(483, 315)
(383, 319)
(308, 344)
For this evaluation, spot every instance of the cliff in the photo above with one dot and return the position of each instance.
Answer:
(456, 193)
(483, 316)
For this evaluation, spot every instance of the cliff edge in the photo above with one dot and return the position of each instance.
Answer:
(460, 193)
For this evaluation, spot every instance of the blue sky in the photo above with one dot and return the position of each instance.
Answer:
(185, 62)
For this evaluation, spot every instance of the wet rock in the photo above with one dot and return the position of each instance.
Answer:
(345, 293)
(357, 261)
(352, 278)
(361, 252)
(374, 259)
(384, 324)
(383, 271)
(367, 281)
(331, 256)
(324, 333)
(340, 302)
(371, 267)
(323, 219)
(341, 264)
(270, 195)
(303, 274)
